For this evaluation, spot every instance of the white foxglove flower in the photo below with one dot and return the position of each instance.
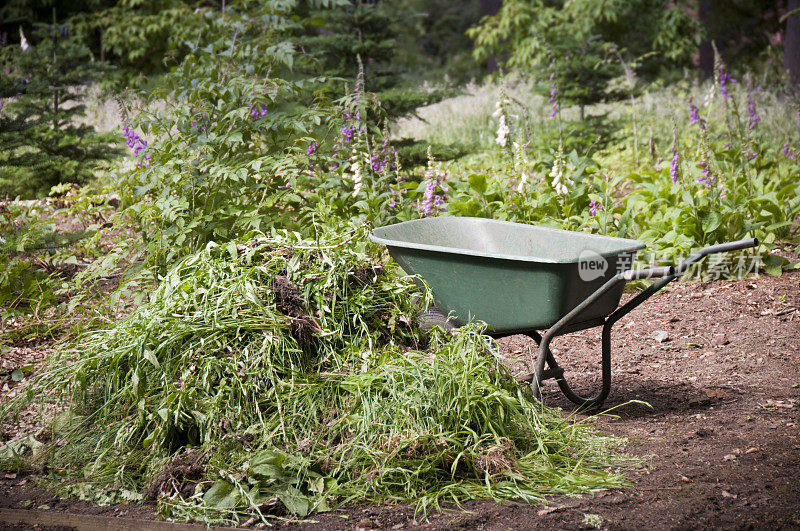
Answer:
(523, 179)
(498, 110)
(357, 178)
(709, 97)
(502, 131)
(23, 42)
(559, 183)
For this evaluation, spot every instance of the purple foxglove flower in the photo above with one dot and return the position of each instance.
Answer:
(673, 167)
(347, 133)
(724, 78)
(752, 112)
(694, 115)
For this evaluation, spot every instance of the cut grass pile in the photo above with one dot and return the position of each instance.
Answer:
(288, 376)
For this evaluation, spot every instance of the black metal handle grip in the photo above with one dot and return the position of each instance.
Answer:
(713, 249)
(652, 272)
(729, 246)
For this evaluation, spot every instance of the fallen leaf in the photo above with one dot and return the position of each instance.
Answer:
(365, 525)
(751, 450)
(719, 340)
(779, 404)
(686, 480)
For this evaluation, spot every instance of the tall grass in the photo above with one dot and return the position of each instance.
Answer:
(467, 120)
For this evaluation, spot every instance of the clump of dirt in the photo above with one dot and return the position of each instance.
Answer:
(496, 458)
(181, 474)
(366, 274)
(290, 302)
(287, 297)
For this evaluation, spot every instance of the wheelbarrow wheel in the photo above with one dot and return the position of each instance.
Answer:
(434, 317)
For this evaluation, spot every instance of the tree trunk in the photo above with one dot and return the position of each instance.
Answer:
(791, 45)
(706, 66)
(489, 8)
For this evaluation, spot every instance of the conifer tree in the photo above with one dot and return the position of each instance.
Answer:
(42, 140)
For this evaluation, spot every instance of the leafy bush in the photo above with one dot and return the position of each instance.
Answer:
(722, 176)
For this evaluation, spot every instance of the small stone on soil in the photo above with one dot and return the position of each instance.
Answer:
(719, 340)
(661, 336)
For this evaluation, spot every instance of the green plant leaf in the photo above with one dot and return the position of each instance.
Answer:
(295, 501)
(221, 495)
(711, 222)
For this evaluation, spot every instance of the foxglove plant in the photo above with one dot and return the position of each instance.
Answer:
(752, 111)
(553, 96)
(136, 143)
(521, 165)
(397, 193)
(675, 160)
(559, 182)
(434, 195)
(694, 115)
(724, 78)
(503, 129)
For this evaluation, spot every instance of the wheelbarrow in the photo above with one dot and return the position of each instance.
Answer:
(523, 279)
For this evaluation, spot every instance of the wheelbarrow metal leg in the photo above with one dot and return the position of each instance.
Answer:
(665, 275)
(545, 355)
(558, 373)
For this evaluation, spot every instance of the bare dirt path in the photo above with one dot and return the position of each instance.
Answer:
(719, 443)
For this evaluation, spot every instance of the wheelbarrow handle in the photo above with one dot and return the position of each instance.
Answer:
(665, 275)
(713, 249)
(653, 272)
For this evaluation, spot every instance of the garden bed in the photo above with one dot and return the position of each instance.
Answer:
(718, 445)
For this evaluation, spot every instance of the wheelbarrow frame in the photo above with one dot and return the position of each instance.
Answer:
(565, 325)
(599, 314)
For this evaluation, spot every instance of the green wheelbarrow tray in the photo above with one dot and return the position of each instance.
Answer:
(520, 279)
